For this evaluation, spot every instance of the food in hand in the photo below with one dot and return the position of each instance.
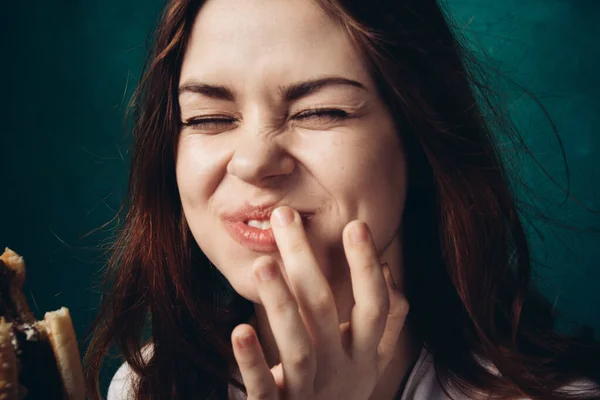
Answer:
(38, 359)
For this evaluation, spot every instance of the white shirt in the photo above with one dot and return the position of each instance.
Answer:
(422, 383)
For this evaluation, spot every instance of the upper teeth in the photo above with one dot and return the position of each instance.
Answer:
(259, 224)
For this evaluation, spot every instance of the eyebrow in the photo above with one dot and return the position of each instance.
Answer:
(290, 93)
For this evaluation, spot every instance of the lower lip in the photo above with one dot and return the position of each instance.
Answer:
(255, 239)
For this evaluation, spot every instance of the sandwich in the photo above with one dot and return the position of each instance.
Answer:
(38, 359)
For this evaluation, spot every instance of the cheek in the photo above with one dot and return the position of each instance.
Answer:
(378, 189)
(193, 176)
(186, 181)
(372, 169)
(196, 172)
(389, 205)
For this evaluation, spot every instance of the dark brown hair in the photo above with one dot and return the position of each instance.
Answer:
(471, 295)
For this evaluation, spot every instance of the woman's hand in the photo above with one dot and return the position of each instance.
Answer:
(320, 359)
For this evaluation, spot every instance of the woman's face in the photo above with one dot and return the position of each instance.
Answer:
(253, 79)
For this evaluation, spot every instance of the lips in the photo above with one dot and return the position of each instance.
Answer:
(259, 213)
(256, 239)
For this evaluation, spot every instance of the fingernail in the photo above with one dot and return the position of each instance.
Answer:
(358, 233)
(267, 272)
(283, 216)
(245, 340)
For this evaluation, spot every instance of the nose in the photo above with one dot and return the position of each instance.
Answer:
(260, 160)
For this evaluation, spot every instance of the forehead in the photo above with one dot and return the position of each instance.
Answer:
(246, 42)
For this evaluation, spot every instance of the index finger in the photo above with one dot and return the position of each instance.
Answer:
(307, 282)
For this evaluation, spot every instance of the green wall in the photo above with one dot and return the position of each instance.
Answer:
(68, 70)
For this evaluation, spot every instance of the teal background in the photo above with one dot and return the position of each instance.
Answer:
(69, 67)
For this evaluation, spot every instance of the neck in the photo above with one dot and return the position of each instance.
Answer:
(392, 380)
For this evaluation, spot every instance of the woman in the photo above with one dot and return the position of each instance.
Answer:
(336, 148)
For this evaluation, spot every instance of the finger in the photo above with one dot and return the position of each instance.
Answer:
(307, 282)
(255, 372)
(291, 336)
(368, 318)
(396, 319)
(346, 336)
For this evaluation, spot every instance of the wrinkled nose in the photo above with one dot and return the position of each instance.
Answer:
(260, 161)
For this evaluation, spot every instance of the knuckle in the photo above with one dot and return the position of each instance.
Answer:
(301, 359)
(251, 363)
(321, 304)
(400, 309)
(376, 312)
(282, 306)
(296, 247)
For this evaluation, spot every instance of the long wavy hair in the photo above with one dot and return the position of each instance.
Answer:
(467, 258)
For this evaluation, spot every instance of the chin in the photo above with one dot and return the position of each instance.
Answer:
(241, 279)
(249, 293)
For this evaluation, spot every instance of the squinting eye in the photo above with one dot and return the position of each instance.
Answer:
(208, 122)
(330, 114)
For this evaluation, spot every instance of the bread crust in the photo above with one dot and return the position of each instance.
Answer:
(64, 343)
(57, 326)
(9, 372)
(15, 263)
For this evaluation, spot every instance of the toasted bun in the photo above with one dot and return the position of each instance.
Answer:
(15, 263)
(9, 373)
(56, 326)
(59, 327)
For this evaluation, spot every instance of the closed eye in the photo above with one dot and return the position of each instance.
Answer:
(219, 122)
(330, 114)
(209, 122)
